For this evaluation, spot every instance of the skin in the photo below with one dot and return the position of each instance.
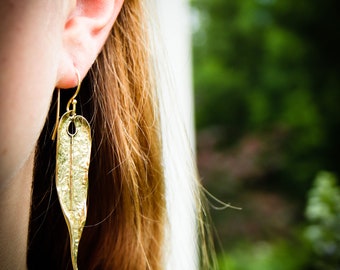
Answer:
(41, 44)
(29, 56)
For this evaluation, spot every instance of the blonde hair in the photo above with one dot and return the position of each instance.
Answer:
(126, 205)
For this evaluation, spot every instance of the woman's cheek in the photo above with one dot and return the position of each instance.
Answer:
(30, 45)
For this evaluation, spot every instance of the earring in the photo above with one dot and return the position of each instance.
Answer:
(72, 164)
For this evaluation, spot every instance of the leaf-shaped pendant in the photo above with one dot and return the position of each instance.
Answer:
(72, 164)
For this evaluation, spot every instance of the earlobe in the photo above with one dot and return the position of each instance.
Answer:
(85, 32)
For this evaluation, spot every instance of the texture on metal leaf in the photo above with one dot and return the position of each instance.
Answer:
(73, 159)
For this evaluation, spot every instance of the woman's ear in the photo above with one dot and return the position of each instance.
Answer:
(86, 29)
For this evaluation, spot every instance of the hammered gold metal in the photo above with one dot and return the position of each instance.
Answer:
(73, 159)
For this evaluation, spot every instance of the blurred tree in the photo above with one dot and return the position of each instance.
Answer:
(272, 65)
(267, 87)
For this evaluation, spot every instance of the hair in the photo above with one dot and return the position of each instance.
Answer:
(126, 202)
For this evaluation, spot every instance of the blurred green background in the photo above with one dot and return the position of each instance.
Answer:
(267, 93)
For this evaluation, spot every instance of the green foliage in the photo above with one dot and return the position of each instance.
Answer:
(266, 78)
(264, 255)
(267, 65)
(323, 215)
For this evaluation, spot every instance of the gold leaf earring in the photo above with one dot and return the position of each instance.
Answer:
(72, 164)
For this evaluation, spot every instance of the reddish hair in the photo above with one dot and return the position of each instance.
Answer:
(126, 204)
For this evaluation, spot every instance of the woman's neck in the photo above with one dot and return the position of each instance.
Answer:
(15, 200)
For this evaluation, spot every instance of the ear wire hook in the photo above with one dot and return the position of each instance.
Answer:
(54, 133)
(72, 101)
